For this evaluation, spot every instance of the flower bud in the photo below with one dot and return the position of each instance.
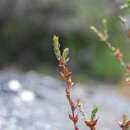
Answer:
(88, 122)
(72, 105)
(78, 102)
(127, 68)
(128, 123)
(67, 90)
(62, 75)
(71, 117)
(76, 119)
(61, 61)
(76, 128)
(69, 81)
(127, 80)
(95, 122)
(91, 124)
(66, 71)
(117, 53)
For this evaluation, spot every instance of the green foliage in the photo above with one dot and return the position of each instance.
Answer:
(128, 2)
(93, 113)
(65, 54)
(103, 36)
(56, 47)
(124, 119)
(106, 66)
(105, 29)
(126, 5)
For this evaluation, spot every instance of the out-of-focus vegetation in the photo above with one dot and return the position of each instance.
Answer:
(27, 27)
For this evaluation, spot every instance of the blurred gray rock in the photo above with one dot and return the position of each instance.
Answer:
(30, 101)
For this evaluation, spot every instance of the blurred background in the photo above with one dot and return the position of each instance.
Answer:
(27, 28)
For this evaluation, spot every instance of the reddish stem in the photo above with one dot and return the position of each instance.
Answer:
(65, 76)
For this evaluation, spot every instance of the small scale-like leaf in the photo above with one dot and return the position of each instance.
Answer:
(124, 119)
(105, 29)
(94, 111)
(56, 47)
(65, 54)
(56, 41)
(57, 53)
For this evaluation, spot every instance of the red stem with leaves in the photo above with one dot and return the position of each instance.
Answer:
(66, 76)
(103, 36)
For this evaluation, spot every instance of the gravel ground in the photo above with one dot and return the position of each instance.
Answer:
(30, 101)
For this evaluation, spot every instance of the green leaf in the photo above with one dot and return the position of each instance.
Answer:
(56, 41)
(57, 47)
(105, 29)
(57, 53)
(94, 111)
(124, 119)
(128, 3)
(65, 54)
